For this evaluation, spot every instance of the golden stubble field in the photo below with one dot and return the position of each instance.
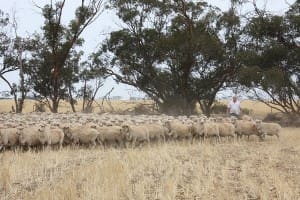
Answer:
(258, 109)
(180, 170)
(177, 170)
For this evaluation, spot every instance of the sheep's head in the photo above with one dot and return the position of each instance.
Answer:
(258, 126)
(126, 132)
(193, 129)
(19, 130)
(22, 139)
(41, 129)
(93, 126)
(219, 119)
(233, 119)
(42, 137)
(43, 125)
(212, 119)
(125, 128)
(166, 130)
(67, 131)
(167, 124)
(121, 134)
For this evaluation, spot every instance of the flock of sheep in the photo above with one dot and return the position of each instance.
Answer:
(46, 129)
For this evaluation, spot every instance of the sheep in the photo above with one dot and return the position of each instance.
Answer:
(52, 136)
(29, 136)
(157, 132)
(178, 130)
(247, 128)
(197, 130)
(228, 120)
(90, 125)
(135, 133)
(270, 129)
(226, 129)
(110, 135)
(211, 129)
(212, 119)
(247, 118)
(9, 137)
(81, 135)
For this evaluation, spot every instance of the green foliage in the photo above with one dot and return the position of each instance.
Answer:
(173, 51)
(272, 59)
(56, 59)
(5, 42)
(177, 52)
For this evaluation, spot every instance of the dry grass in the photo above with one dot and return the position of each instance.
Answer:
(238, 170)
(116, 105)
(230, 170)
(259, 109)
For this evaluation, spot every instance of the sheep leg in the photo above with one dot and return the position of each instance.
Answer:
(133, 143)
(164, 138)
(93, 143)
(218, 139)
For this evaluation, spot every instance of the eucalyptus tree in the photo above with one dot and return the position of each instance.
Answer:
(4, 46)
(92, 79)
(14, 51)
(272, 59)
(56, 48)
(175, 51)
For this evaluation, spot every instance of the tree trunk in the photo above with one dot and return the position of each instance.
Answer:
(55, 100)
(177, 106)
(84, 96)
(16, 100)
(55, 104)
(19, 106)
(206, 107)
(72, 100)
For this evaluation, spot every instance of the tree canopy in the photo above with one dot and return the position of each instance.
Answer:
(272, 59)
(55, 60)
(178, 52)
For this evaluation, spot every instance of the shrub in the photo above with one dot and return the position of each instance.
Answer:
(283, 119)
(88, 109)
(219, 108)
(39, 107)
(246, 111)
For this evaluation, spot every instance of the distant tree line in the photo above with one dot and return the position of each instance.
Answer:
(178, 52)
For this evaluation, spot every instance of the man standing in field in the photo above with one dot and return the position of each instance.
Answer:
(234, 108)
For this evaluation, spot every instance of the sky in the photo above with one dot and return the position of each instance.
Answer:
(30, 20)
